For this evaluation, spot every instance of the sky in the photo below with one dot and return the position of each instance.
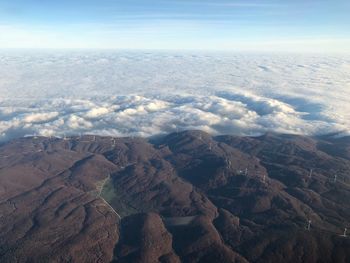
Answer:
(271, 25)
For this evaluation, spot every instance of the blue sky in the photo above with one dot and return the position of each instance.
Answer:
(290, 25)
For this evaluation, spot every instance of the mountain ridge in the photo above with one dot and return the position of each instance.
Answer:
(186, 196)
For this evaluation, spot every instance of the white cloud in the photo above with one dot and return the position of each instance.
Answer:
(40, 117)
(97, 112)
(150, 93)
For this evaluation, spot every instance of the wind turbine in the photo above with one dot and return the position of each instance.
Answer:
(345, 230)
(311, 172)
(228, 162)
(309, 225)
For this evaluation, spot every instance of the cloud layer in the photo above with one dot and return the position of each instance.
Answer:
(146, 94)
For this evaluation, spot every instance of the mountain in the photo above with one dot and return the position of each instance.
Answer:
(184, 197)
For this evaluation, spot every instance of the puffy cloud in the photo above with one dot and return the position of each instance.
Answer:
(97, 112)
(147, 94)
(40, 117)
(75, 123)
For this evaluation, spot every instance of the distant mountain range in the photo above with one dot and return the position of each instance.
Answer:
(184, 197)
